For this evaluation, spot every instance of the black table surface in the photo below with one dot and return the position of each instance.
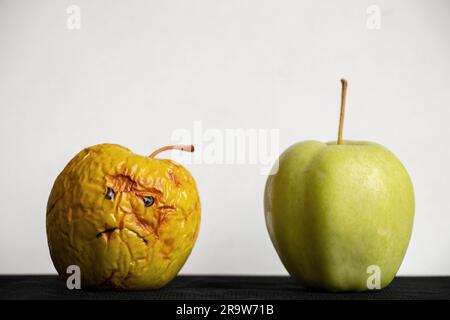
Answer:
(18, 287)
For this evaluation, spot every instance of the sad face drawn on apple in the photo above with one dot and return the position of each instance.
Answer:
(335, 210)
(127, 221)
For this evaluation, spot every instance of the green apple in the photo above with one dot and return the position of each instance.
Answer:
(339, 212)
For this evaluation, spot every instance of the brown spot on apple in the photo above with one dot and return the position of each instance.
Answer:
(123, 183)
(174, 178)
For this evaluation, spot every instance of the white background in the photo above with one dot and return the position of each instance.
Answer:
(138, 70)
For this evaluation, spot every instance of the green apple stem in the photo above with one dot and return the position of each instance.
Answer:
(187, 148)
(341, 119)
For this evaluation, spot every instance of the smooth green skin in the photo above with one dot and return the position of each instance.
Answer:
(333, 210)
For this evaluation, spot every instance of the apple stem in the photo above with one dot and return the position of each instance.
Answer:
(187, 148)
(341, 119)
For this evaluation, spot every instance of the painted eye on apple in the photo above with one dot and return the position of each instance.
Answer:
(148, 201)
(110, 194)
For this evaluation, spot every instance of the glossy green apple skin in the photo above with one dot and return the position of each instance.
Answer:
(334, 210)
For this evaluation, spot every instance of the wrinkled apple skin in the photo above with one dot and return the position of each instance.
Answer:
(120, 243)
(334, 210)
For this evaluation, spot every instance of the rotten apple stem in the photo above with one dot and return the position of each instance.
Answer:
(187, 148)
(341, 119)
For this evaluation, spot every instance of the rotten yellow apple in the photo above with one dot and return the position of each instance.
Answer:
(127, 221)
